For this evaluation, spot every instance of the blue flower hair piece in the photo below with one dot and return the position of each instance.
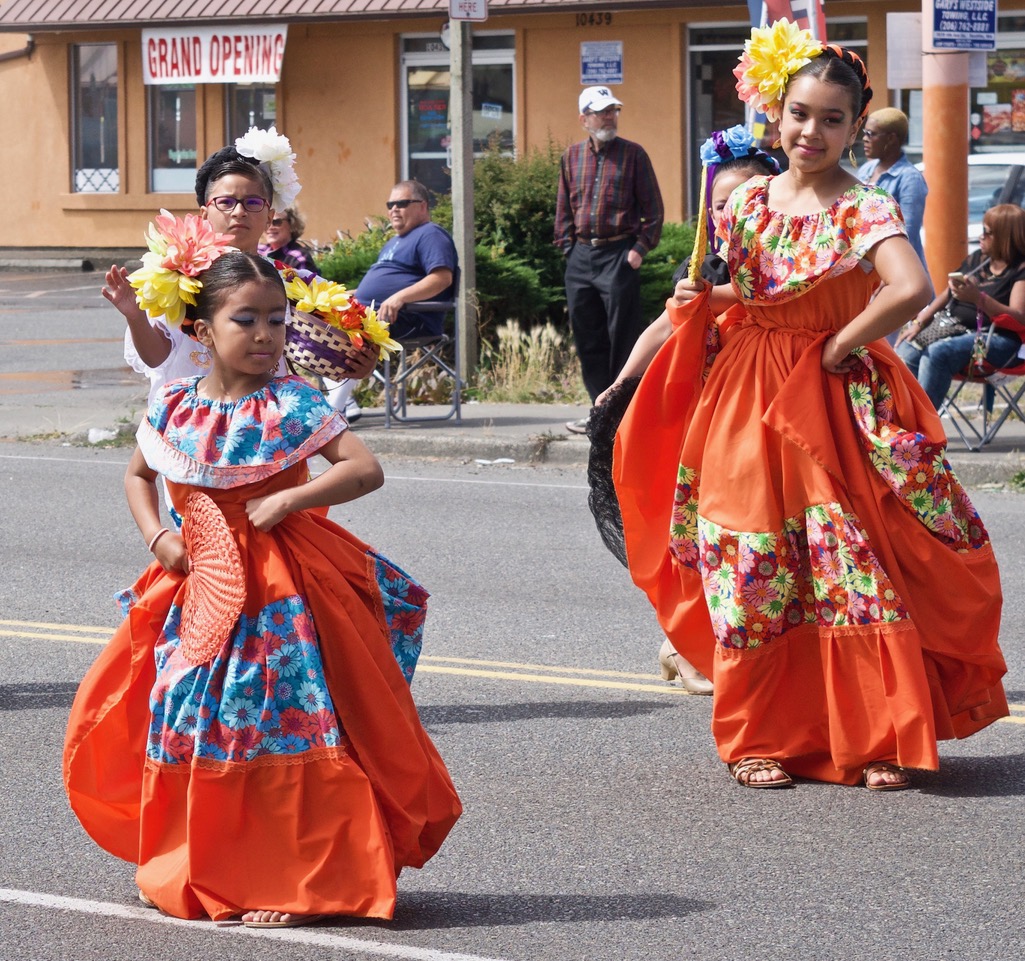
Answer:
(734, 143)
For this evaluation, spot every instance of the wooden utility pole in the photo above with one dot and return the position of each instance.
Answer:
(461, 112)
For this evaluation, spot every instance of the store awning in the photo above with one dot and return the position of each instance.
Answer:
(26, 16)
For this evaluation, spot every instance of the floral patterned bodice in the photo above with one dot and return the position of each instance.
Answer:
(193, 440)
(775, 257)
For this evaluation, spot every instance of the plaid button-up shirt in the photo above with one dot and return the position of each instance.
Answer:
(608, 193)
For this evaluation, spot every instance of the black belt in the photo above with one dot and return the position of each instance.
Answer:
(603, 241)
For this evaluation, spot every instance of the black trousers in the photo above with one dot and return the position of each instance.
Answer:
(603, 293)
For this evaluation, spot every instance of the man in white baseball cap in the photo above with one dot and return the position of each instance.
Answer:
(608, 216)
(596, 99)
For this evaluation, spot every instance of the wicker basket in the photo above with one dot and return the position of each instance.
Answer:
(316, 346)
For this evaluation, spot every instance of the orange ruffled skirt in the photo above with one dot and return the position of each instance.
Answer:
(805, 544)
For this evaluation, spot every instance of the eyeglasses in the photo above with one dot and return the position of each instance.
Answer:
(278, 221)
(401, 204)
(875, 134)
(251, 205)
(607, 112)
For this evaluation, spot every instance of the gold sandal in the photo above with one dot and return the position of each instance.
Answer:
(742, 770)
(884, 767)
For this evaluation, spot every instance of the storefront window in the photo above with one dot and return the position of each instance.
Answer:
(427, 126)
(998, 109)
(250, 105)
(172, 119)
(94, 125)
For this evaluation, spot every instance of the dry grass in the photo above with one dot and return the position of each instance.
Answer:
(533, 366)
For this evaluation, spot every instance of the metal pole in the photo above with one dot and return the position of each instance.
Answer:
(461, 108)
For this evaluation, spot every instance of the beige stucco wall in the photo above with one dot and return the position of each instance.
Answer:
(339, 104)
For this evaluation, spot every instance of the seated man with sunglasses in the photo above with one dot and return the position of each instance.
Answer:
(418, 263)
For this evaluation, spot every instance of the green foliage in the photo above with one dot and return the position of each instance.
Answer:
(658, 268)
(519, 270)
(349, 258)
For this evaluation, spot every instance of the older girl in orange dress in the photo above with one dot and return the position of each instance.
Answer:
(786, 501)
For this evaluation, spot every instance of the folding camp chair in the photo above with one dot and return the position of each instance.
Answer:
(437, 355)
(1003, 384)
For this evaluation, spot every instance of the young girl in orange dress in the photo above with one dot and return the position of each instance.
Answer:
(248, 737)
(786, 501)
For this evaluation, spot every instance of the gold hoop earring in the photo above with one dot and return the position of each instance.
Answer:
(851, 157)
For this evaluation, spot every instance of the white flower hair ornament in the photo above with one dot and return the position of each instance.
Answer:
(273, 149)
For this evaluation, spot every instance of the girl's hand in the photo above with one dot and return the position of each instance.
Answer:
(265, 512)
(170, 551)
(686, 291)
(600, 399)
(836, 359)
(362, 360)
(119, 292)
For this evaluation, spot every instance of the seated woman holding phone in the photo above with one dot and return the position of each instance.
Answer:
(940, 341)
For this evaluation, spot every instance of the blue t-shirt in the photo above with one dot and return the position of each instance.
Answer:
(403, 261)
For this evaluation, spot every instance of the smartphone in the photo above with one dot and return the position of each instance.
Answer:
(957, 276)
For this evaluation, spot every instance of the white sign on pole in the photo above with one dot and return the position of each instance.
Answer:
(468, 10)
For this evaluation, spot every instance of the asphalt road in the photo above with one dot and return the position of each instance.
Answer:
(599, 823)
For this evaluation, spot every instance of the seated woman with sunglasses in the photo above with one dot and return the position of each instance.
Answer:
(991, 281)
(282, 241)
(238, 189)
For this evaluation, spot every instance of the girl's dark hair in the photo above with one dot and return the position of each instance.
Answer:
(843, 67)
(225, 274)
(229, 161)
(757, 161)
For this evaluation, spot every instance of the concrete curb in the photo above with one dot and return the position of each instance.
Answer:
(535, 449)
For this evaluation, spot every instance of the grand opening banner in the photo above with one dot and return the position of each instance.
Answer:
(244, 54)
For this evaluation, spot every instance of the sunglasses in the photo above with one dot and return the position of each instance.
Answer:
(607, 112)
(251, 205)
(986, 232)
(401, 204)
(278, 221)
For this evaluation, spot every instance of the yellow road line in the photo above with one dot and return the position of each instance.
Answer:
(64, 627)
(656, 688)
(513, 670)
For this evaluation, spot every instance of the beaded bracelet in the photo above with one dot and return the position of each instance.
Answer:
(156, 537)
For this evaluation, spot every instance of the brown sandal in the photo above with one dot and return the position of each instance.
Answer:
(884, 767)
(742, 770)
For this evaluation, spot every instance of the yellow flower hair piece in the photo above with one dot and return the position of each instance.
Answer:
(179, 251)
(770, 58)
(333, 304)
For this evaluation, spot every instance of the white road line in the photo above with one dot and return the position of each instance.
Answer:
(317, 937)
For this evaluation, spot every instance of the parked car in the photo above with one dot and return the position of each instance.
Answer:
(993, 178)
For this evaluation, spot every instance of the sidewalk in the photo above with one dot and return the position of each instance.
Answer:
(526, 434)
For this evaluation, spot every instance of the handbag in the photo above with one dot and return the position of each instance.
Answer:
(943, 325)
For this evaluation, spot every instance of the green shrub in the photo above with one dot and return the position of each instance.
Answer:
(657, 271)
(519, 269)
(349, 258)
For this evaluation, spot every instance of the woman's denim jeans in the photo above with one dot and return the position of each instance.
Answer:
(935, 367)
